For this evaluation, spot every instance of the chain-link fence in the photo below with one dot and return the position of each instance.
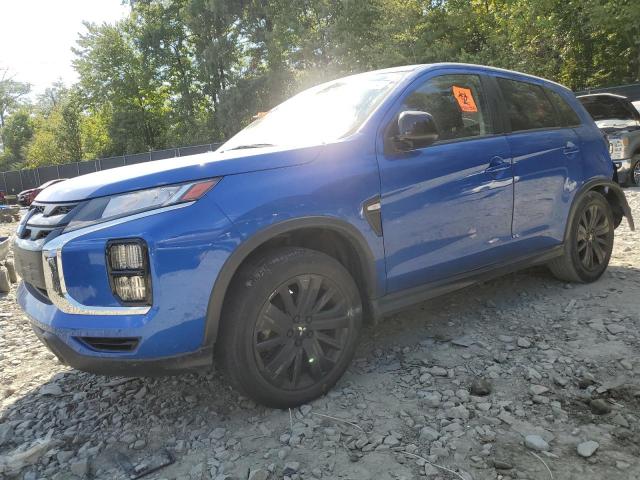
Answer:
(13, 182)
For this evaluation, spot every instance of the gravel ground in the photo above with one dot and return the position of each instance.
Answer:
(523, 377)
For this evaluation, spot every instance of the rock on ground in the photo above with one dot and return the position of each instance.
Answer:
(536, 442)
(586, 449)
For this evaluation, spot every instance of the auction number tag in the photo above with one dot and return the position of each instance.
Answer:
(465, 100)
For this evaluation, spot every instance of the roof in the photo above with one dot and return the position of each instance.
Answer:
(487, 68)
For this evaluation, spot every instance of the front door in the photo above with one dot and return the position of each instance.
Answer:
(446, 208)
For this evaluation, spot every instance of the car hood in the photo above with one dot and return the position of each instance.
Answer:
(175, 170)
(607, 107)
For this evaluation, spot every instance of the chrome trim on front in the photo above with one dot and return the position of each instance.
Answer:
(54, 280)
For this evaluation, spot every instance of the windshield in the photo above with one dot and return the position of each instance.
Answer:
(321, 114)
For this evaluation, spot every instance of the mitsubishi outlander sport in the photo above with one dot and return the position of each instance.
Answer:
(348, 202)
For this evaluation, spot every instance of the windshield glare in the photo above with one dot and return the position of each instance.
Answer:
(321, 114)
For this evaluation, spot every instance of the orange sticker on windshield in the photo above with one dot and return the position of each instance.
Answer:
(465, 100)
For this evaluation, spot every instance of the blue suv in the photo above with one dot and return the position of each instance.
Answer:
(346, 203)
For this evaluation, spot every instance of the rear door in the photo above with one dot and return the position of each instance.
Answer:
(545, 151)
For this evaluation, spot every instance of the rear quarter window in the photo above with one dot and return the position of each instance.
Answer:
(527, 105)
(568, 116)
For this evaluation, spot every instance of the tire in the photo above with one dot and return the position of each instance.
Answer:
(634, 174)
(5, 284)
(588, 247)
(11, 270)
(271, 345)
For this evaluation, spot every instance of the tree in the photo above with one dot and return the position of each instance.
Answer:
(179, 72)
(94, 133)
(16, 135)
(65, 133)
(52, 95)
(44, 148)
(113, 72)
(11, 94)
(163, 39)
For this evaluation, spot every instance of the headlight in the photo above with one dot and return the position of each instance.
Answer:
(108, 208)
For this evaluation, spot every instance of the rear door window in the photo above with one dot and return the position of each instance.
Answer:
(528, 108)
(457, 103)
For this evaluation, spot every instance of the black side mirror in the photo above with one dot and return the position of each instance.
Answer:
(415, 130)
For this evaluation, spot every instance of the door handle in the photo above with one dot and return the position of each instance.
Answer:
(497, 164)
(570, 148)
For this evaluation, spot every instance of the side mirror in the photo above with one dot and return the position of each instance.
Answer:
(415, 130)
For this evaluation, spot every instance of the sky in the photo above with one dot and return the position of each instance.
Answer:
(36, 36)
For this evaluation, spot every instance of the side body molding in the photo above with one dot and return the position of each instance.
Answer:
(216, 301)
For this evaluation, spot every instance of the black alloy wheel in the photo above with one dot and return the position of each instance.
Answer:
(593, 237)
(301, 332)
(589, 241)
(290, 326)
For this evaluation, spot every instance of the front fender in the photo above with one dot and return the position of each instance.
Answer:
(231, 265)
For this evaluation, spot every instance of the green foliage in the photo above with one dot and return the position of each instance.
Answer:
(178, 72)
(64, 133)
(114, 73)
(94, 133)
(16, 135)
(11, 94)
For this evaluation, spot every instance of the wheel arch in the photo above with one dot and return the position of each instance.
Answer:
(612, 192)
(309, 232)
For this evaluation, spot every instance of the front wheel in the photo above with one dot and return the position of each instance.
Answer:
(290, 327)
(588, 246)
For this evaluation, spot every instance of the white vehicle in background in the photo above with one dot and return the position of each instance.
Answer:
(619, 119)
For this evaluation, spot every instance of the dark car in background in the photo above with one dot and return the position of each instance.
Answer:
(618, 118)
(26, 197)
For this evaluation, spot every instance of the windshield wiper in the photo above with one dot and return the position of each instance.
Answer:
(252, 145)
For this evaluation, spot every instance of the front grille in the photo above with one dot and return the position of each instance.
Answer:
(44, 218)
(29, 266)
(36, 233)
(41, 223)
(107, 344)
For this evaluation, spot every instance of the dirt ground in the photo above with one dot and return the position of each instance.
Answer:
(524, 377)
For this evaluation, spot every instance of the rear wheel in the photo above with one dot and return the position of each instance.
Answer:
(588, 248)
(635, 172)
(290, 327)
